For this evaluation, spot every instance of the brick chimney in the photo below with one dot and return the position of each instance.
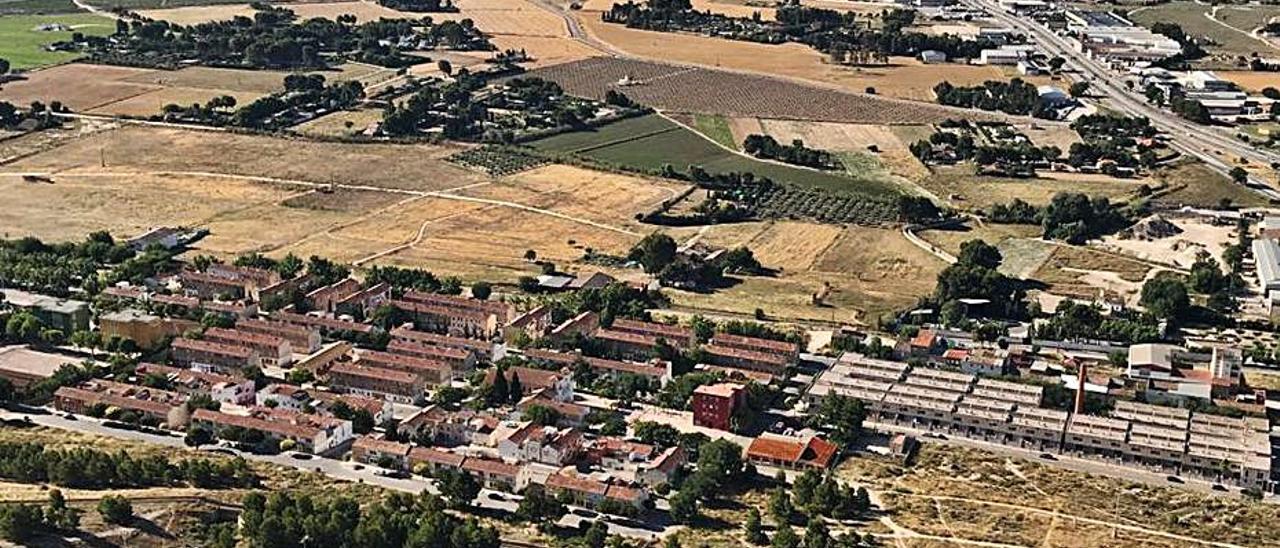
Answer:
(1082, 375)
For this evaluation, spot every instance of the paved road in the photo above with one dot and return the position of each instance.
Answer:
(336, 469)
(1187, 137)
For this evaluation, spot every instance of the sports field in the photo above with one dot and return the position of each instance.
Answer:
(23, 43)
(650, 142)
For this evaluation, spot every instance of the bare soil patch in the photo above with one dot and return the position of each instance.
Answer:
(153, 102)
(195, 15)
(222, 79)
(80, 86)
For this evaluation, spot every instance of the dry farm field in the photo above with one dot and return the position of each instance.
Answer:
(194, 15)
(903, 77)
(852, 138)
(1251, 80)
(80, 86)
(960, 186)
(699, 90)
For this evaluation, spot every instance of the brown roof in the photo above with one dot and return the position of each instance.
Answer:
(815, 450)
(445, 352)
(212, 348)
(367, 372)
(325, 323)
(372, 444)
(501, 309)
(571, 358)
(924, 339)
(624, 493)
(442, 311)
(530, 379)
(255, 423)
(186, 376)
(269, 326)
(771, 360)
(578, 484)
(246, 337)
(626, 337)
(763, 345)
(435, 456)
(433, 339)
(652, 329)
(719, 390)
(399, 361)
(179, 300)
(490, 467)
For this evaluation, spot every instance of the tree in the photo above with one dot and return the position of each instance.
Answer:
(541, 415)
(4, 65)
(58, 514)
(481, 290)
(1165, 297)
(445, 66)
(780, 507)
(785, 538)
(654, 252)
(19, 522)
(530, 255)
(753, 529)
(722, 461)
(684, 507)
(816, 535)
(1238, 175)
(1079, 89)
(515, 390)
(597, 534)
(980, 253)
(197, 436)
(458, 487)
(843, 415)
(804, 486)
(1056, 63)
(499, 392)
(537, 505)
(115, 509)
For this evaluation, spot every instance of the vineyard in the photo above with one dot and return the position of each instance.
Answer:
(497, 161)
(684, 89)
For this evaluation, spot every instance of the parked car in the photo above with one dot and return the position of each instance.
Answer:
(1173, 479)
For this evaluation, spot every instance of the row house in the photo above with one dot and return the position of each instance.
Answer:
(380, 452)
(432, 372)
(662, 468)
(939, 379)
(483, 350)
(429, 461)
(1230, 448)
(312, 433)
(459, 322)
(232, 389)
(271, 350)
(504, 312)
(531, 326)
(326, 325)
(1037, 427)
(450, 428)
(326, 298)
(458, 359)
(583, 325)
(675, 335)
(326, 357)
(654, 370)
(632, 346)
(212, 356)
(618, 453)
(917, 405)
(869, 392)
(326, 402)
(544, 444)
(235, 310)
(256, 277)
(858, 366)
(1022, 395)
(152, 405)
(558, 384)
(282, 288)
(389, 384)
(751, 360)
(792, 453)
(981, 361)
(786, 349)
(592, 492)
(1156, 445)
(348, 296)
(175, 303)
(206, 286)
(1100, 435)
(714, 405)
(982, 418)
(301, 339)
(493, 473)
(290, 397)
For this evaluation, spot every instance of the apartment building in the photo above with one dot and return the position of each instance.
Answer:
(145, 330)
(460, 360)
(270, 349)
(627, 345)
(531, 326)
(459, 322)
(301, 339)
(481, 349)
(714, 404)
(751, 360)
(584, 324)
(432, 372)
(377, 382)
(786, 349)
(655, 370)
(324, 324)
(212, 356)
(311, 433)
(675, 335)
(150, 405)
(208, 286)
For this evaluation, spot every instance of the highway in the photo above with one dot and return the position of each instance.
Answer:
(488, 499)
(1186, 137)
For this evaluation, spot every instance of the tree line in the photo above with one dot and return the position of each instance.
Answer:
(765, 146)
(89, 468)
(1013, 97)
(1072, 217)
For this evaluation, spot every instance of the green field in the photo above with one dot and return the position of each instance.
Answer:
(24, 46)
(717, 128)
(650, 142)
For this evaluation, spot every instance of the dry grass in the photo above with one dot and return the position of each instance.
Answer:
(336, 124)
(364, 11)
(904, 78)
(250, 81)
(1250, 80)
(194, 15)
(792, 246)
(893, 153)
(1085, 273)
(1203, 187)
(606, 198)
(81, 87)
(153, 102)
(546, 50)
(968, 191)
(416, 167)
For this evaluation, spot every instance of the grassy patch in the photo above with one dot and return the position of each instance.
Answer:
(24, 46)
(716, 127)
(1231, 38)
(650, 142)
(1203, 187)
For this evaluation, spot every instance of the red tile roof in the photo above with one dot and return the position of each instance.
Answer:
(577, 484)
(815, 451)
(372, 444)
(436, 456)
(755, 343)
(212, 348)
(378, 373)
(490, 467)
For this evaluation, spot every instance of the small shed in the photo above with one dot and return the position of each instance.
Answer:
(931, 56)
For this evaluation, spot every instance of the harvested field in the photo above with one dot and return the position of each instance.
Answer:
(1056, 135)
(792, 246)
(134, 149)
(606, 198)
(249, 81)
(342, 200)
(681, 89)
(1084, 273)
(1251, 80)
(726, 7)
(194, 15)
(893, 153)
(546, 51)
(335, 125)
(514, 17)
(81, 87)
(364, 11)
(153, 102)
(966, 190)
(903, 77)
(1199, 186)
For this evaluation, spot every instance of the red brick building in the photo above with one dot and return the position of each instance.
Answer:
(714, 404)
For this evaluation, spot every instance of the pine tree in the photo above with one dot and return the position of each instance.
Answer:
(500, 392)
(515, 389)
(785, 538)
(780, 506)
(755, 532)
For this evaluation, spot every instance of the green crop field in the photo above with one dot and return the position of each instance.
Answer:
(716, 127)
(24, 46)
(650, 142)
